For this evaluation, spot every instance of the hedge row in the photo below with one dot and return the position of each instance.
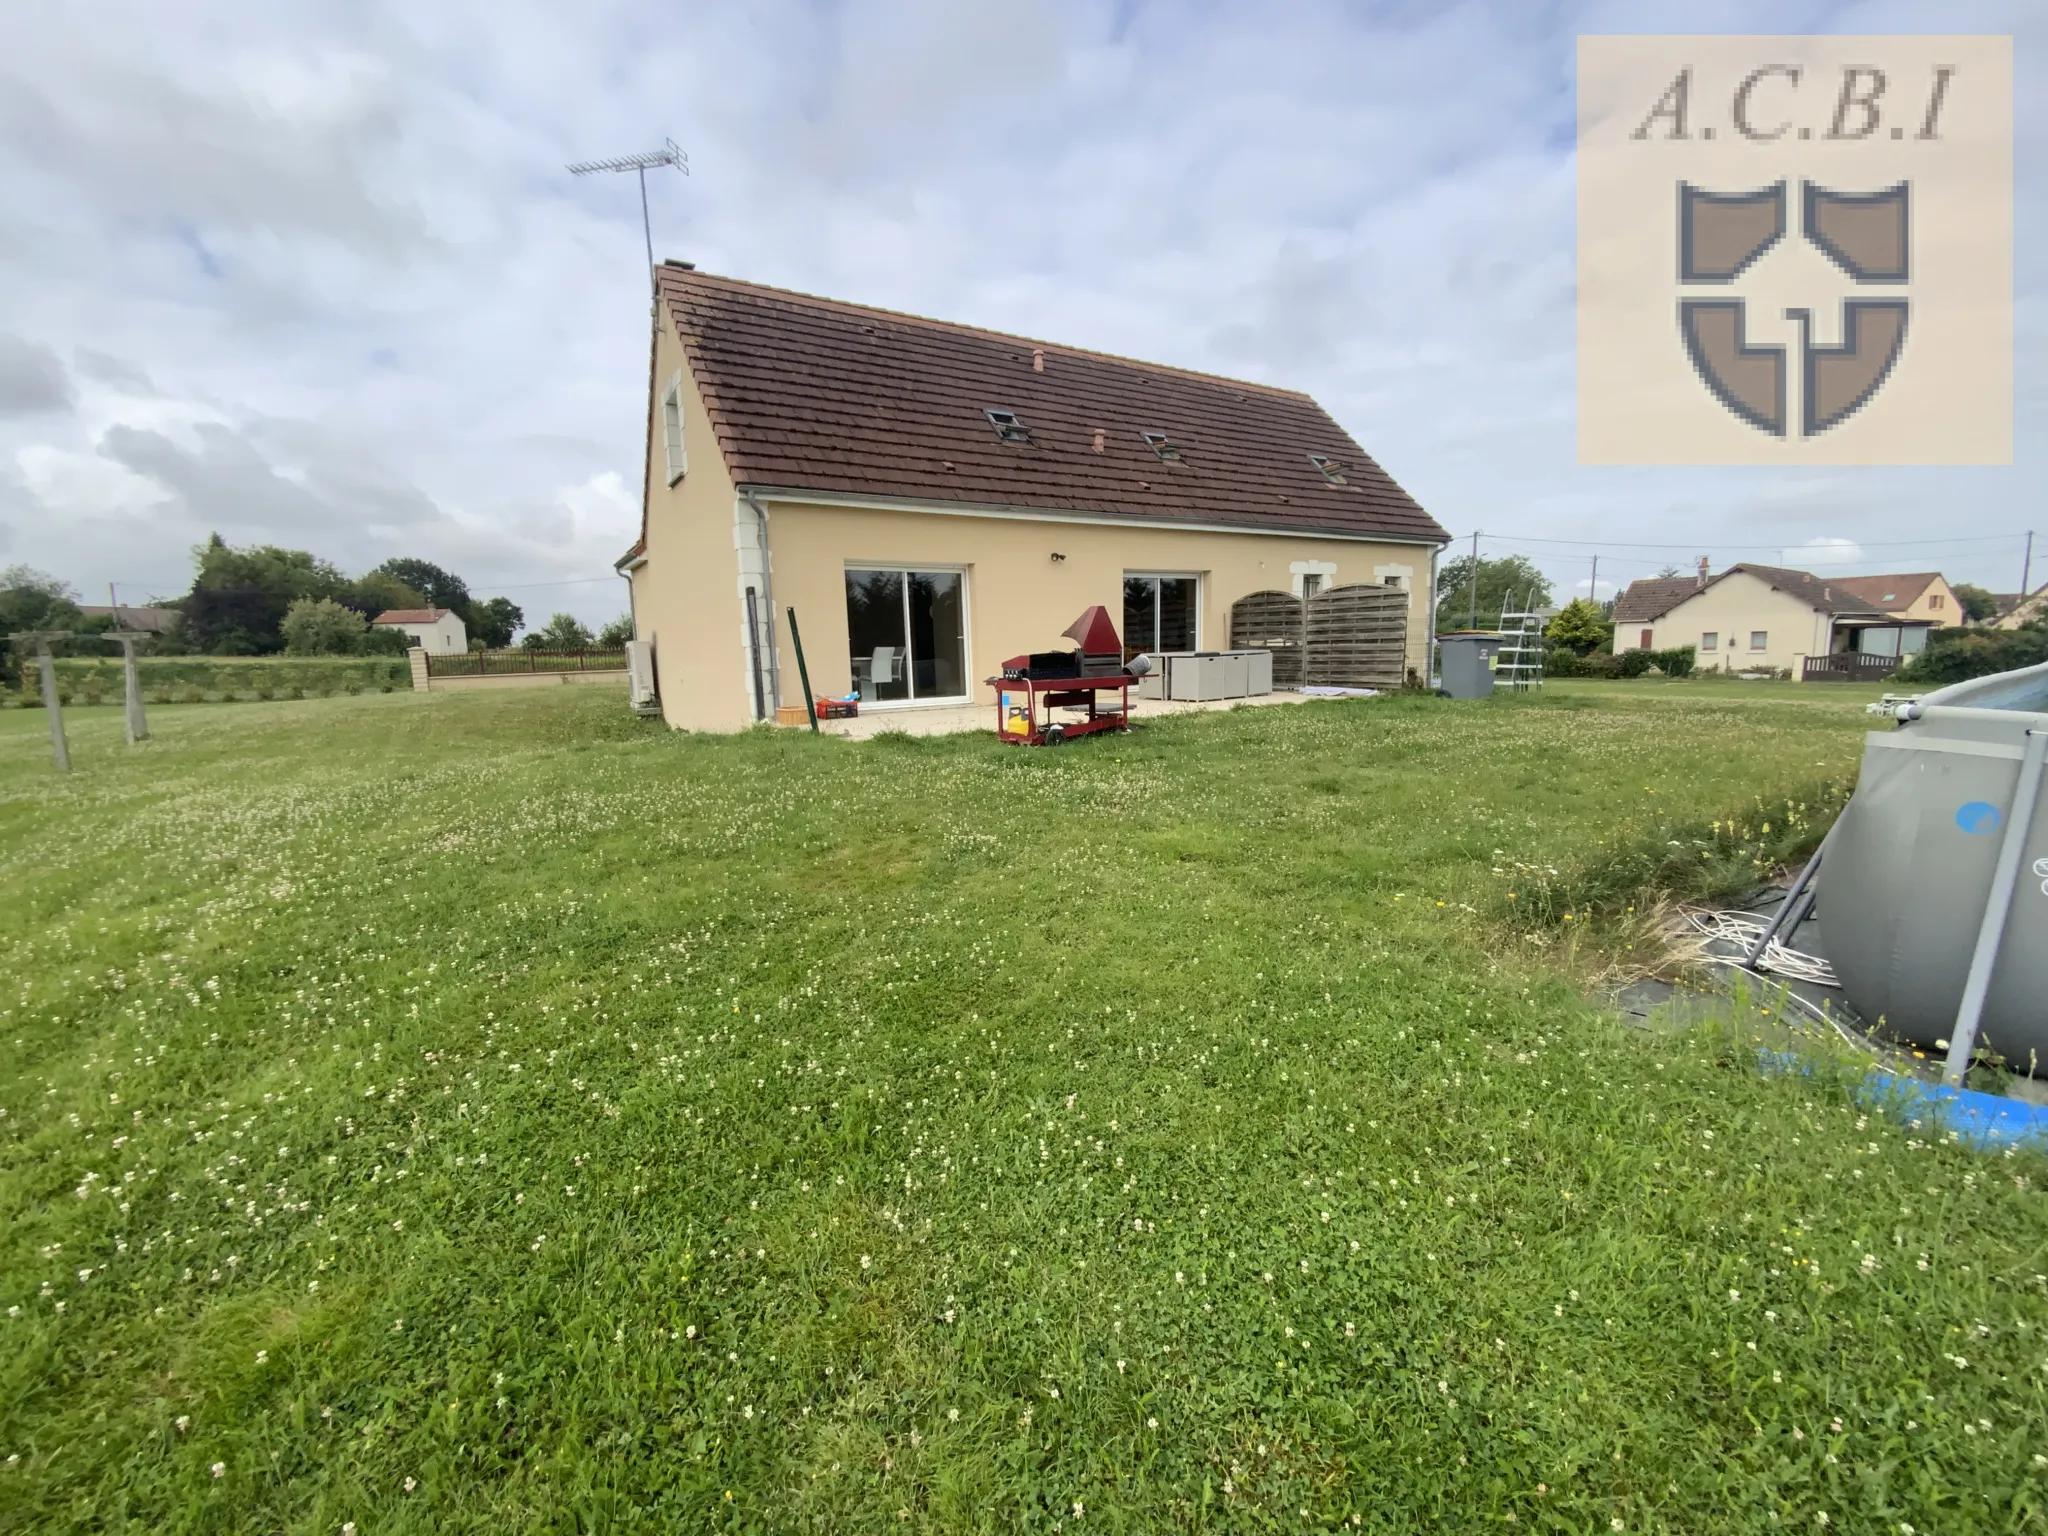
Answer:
(214, 679)
(1562, 661)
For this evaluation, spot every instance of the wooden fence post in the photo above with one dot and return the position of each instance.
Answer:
(47, 666)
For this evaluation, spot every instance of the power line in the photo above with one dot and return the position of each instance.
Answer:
(1770, 544)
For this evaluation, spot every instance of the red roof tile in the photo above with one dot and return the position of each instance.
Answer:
(812, 394)
(1893, 594)
(410, 616)
(1651, 597)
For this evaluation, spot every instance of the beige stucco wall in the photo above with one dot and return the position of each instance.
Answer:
(703, 549)
(1937, 604)
(686, 595)
(1019, 598)
(1731, 609)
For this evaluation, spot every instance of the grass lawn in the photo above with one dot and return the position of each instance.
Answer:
(491, 1112)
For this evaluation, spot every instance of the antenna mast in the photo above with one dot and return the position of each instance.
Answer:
(668, 154)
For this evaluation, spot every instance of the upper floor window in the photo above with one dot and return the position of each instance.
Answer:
(672, 428)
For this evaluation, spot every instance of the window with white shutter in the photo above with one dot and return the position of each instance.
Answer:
(672, 428)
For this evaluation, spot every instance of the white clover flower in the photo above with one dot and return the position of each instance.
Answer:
(219, 1469)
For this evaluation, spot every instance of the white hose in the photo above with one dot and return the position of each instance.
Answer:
(1742, 929)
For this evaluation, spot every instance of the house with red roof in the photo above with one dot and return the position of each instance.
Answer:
(1767, 618)
(931, 498)
(436, 631)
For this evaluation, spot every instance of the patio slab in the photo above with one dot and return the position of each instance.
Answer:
(950, 720)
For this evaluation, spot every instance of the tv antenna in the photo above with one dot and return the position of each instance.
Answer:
(668, 154)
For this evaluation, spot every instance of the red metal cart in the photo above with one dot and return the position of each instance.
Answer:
(1031, 688)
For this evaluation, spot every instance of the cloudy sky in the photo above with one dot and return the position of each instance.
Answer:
(313, 274)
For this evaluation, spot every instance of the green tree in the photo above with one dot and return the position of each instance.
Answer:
(1579, 625)
(319, 626)
(1979, 606)
(495, 621)
(444, 589)
(1510, 576)
(375, 591)
(1956, 655)
(560, 633)
(32, 599)
(618, 632)
(239, 596)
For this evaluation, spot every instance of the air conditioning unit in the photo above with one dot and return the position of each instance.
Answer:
(640, 677)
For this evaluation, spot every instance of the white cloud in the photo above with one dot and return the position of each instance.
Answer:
(320, 278)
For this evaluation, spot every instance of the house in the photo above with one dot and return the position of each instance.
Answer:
(2017, 608)
(1757, 617)
(931, 498)
(435, 630)
(1922, 595)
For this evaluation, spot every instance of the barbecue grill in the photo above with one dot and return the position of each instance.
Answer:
(1032, 687)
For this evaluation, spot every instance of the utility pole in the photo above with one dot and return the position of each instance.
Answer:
(1472, 586)
(2027, 569)
(1593, 588)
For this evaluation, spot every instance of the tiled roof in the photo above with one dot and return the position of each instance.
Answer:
(410, 616)
(812, 394)
(1650, 598)
(1829, 595)
(1893, 594)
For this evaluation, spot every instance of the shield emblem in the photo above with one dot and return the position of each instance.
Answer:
(1862, 233)
(1749, 380)
(1720, 233)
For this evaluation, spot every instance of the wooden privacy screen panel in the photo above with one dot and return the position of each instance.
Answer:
(1270, 621)
(1356, 637)
(1348, 637)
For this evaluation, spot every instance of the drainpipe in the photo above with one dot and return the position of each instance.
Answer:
(1429, 679)
(767, 596)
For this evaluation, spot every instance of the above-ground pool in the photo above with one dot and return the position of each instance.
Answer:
(1908, 869)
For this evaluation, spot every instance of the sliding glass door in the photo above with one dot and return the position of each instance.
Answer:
(907, 632)
(1160, 613)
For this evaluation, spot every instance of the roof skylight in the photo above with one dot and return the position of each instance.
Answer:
(1332, 470)
(1009, 426)
(1167, 450)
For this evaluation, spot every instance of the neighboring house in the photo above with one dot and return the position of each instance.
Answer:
(436, 630)
(1752, 617)
(932, 498)
(154, 621)
(2015, 608)
(1922, 595)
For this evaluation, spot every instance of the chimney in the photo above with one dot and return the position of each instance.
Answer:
(1702, 579)
(1098, 439)
(1038, 359)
